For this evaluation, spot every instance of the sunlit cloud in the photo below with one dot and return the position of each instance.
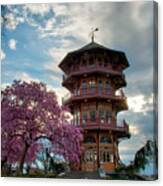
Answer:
(13, 21)
(60, 92)
(23, 76)
(3, 55)
(140, 103)
(56, 55)
(4, 85)
(134, 130)
(37, 9)
(12, 44)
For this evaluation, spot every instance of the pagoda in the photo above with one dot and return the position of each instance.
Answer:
(94, 76)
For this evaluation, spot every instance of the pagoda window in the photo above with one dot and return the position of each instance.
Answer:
(108, 117)
(107, 86)
(100, 64)
(92, 86)
(84, 106)
(114, 65)
(102, 116)
(89, 156)
(105, 140)
(70, 66)
(89, 139)
(77, 92)
(84, 63)
(77, 118)
(100, 86)
(93, 116)
(91, 62)
(84, 118)
(99, 59)
(84, 84)
(105, 64)
(83, 87)
(107, 157)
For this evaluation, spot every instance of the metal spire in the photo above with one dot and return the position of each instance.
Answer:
(92, 34)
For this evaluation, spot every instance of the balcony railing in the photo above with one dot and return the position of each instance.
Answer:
(93, 92)
(90, 69)
(99, 123)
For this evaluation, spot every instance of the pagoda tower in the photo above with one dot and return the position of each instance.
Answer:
(94, 76)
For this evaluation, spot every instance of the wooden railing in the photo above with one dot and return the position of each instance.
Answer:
(99, 123)
(93, 92)
(90, 69)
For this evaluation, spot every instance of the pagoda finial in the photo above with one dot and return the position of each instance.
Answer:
(92, 33)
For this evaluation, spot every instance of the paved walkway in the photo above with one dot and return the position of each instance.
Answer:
(81, 175)
(95, 175)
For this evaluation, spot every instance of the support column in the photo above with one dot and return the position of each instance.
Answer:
(116, 151)
(112, 140)
(98, 148)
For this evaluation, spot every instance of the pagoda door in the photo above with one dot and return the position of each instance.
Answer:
(90, 160)
(106, 160)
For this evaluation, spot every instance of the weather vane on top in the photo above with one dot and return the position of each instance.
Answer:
(92, 33)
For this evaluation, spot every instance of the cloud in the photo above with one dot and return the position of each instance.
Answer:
(59, 9)
(4, 85)
(60, 92)
(56, 78)
(12, 18)
(134, 130)
(12, 44)
(37, 9)
(3, 55)
(56, 55)
(128, 148)
(140, 103)
(23, 76)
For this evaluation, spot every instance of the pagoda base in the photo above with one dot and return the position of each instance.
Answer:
(100, 151)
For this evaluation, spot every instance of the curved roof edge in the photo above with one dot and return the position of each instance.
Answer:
(94, 46)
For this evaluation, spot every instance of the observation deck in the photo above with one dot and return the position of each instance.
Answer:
(96, 93)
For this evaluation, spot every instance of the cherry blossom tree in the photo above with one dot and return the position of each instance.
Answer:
(30, 112)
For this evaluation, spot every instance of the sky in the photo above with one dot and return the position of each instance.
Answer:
(36, 37)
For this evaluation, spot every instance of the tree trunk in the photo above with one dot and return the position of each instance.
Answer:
(3, 162)
(28, 169)
(9, 169)
(23, 159)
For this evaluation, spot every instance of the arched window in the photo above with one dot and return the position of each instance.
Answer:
(92, 86)
(100, 86)
(109, 117)
(77, 118)
(84, 118)
(105, 140)
(92, 115)
(106, 157)
(105, 63)
(107, 85)
(91, 62)
(102, 116)
(84, 63)
(84, 87)
(90, 155)
(84, 84)
(89, 139)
